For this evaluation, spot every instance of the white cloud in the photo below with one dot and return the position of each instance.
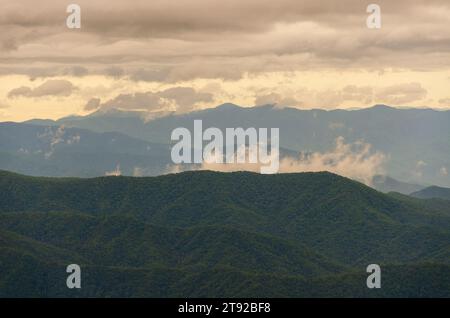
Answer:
(56, 136)
(355, 161)
(420, 165)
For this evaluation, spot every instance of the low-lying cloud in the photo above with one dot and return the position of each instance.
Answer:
(355, 160)
(55, 136)
(114, 173)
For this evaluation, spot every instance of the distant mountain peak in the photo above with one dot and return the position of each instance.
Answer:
(227, 106)
(433, 192)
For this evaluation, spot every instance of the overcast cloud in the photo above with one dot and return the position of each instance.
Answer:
(301, 53)
(210, 38)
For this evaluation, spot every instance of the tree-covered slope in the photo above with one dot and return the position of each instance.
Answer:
(219, 234)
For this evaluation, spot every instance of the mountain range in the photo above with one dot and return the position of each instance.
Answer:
(210, 234)
(414, 142)
(63, 151)
(433, 193)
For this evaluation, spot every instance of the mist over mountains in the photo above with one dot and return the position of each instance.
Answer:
(412, 145)
(224, 149)
(238, 234)
(60, 151)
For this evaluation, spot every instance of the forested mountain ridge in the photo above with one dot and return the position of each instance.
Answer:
(218, 234)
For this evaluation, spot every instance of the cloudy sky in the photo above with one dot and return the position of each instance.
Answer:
(182, 55)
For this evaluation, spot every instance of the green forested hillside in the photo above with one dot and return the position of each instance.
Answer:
(213, 234)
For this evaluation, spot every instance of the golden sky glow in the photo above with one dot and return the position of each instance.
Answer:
(193, 54)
